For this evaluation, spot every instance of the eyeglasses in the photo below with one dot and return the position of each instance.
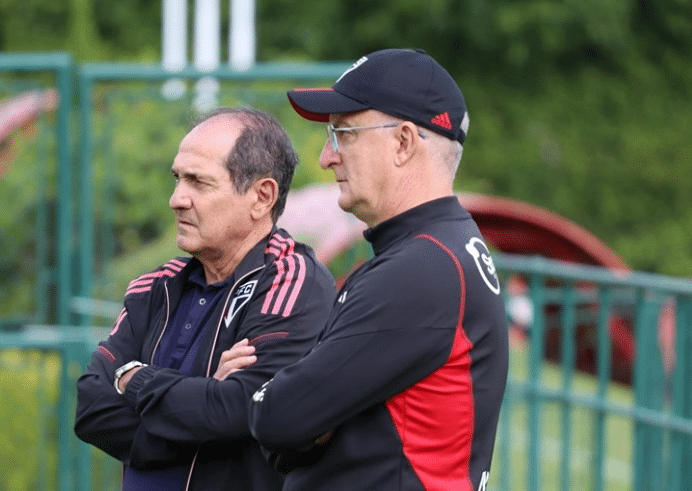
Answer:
(332, 131)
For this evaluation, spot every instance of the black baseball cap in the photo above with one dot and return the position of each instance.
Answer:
(405, 83)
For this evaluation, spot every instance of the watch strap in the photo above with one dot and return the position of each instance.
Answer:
(121, 371)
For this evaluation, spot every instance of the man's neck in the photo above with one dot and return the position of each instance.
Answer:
(405, 202)
(221, 268)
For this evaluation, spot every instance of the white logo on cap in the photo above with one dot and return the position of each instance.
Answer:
(465, 123)
(353, 67)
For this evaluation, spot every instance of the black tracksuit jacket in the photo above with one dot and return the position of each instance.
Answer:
(409, 373)
(280, 301)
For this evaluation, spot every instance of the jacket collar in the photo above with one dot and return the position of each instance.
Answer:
(387, 233)
(256, 257)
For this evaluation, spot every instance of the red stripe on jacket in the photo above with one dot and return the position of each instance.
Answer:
(289, 279)
(435, 417)
(143, 283)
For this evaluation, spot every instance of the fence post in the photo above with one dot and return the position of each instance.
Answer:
(648, 394)
(64, 421)
(85, 193)
(537, 292)
(64, 148)
(604, 362)
(62, 66)
(83, 349)
(567, 358)
(681, 447)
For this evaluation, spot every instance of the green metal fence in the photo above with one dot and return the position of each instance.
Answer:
(39, 185)
(577, 428)
(582, 411)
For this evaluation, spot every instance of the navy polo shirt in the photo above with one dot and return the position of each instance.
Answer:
(179, 343)
(177, 350)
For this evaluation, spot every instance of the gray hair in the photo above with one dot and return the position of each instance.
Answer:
(263, 149)
(443, 149)
(446, 150)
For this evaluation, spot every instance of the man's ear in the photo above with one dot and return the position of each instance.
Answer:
(266, 192)
(408, 139)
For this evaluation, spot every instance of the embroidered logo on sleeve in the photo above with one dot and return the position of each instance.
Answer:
(259, 395)
(240, 298)
(484, 263)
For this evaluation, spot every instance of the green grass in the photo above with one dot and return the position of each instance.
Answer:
(558, 419)
(28, 389)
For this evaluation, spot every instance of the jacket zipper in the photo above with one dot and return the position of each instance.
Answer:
(213, 346)
(165, 322)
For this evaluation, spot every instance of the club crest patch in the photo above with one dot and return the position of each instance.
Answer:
(484, 262)
(240, 298)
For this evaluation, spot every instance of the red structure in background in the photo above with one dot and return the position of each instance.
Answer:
(19, 113)
(507, 225)
(520, 228)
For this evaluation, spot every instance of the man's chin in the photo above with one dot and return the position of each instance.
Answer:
(185, 245)
(345, 203)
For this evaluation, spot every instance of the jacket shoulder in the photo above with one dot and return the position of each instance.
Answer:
(293, 275)
(144, 283)
(281, 246)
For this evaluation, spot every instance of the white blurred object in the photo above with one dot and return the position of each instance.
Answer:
(241, 42)
(520, 310)
(207, 52)
(174, 46)
(207, 41)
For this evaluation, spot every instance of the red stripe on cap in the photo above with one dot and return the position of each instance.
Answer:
(317, 89)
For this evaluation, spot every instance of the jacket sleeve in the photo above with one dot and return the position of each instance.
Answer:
(392, 326)
(202, 409)
(103, 418)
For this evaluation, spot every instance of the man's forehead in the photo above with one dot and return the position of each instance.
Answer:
(356, 118)
(344, 118)
(193, 162)
(217, 134)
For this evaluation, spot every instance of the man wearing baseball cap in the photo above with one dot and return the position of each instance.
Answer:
(404, 388)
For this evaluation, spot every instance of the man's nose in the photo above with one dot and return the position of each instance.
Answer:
(179, 198)
(328, 156)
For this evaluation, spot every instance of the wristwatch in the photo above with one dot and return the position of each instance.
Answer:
(120, 371)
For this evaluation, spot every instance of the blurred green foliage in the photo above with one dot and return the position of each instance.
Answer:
(92, 30)
(581, 107)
